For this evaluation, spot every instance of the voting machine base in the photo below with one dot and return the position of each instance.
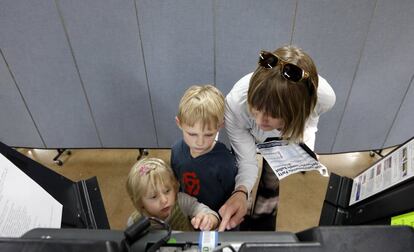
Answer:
(82, 201)
(333, 238)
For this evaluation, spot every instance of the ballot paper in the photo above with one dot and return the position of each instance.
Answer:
(24, 204)
(288, 158)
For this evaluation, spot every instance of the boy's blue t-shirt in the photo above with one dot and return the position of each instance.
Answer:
(210, 177)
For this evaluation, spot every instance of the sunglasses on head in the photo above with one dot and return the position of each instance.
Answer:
(290, 71)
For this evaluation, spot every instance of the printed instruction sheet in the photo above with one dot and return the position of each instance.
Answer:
(389, 171)
(24, 204)
(287, 158)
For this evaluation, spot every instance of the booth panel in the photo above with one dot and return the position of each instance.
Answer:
(18, 129)
(242, 29)
(402, 128)
(107, 49)
(178, 47)
(335, 43)
(34, 43)
(380, 83)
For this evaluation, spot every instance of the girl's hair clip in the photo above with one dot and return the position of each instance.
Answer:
(144, 169)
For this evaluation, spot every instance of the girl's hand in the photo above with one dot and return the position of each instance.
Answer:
(204, 222)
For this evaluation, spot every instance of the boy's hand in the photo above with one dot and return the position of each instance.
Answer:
(233, 211)
(204, 222)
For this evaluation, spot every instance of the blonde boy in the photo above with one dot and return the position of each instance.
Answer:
(204, 167)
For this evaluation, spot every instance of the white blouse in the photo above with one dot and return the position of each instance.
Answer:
(243, 132)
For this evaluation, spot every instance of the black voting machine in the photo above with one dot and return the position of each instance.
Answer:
(82, 201)
(341, 207)
(85, 226)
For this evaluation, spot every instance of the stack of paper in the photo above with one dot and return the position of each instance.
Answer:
(24, 204)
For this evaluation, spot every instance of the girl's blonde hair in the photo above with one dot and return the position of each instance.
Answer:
(203, 104)
(272, 94)
(148, 173)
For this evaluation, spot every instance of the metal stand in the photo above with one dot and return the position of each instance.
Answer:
(142, 152)
(56, 159)
(378, 152)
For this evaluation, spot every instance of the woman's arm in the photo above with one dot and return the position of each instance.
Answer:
(244, 147)
(242, 143)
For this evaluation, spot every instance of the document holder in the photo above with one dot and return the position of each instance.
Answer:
(82, 201)
(383, 191)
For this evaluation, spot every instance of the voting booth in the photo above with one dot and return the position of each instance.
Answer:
(347, 221)
(80, 203)
(328, 238)
(382, 194)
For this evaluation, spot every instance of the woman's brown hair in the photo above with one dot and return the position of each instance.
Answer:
(275, 96)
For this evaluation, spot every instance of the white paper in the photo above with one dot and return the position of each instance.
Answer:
(288, 158)
(24, 204)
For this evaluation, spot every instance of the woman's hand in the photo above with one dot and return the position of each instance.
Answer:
(233, 211)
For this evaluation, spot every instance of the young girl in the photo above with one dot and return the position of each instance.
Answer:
(154, 192)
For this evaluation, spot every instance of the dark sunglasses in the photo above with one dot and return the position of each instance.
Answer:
(290, 71)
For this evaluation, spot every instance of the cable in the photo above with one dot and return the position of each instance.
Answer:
(163, 240)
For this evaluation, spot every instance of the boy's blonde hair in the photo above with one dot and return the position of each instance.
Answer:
(203, 104)
(278, 97)
(148, 173)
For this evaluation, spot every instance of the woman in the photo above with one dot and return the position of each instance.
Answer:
(284, 97)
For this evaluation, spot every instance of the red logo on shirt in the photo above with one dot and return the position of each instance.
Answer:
(191, 183)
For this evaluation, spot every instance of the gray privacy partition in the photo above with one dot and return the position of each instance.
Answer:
(36, 50)
(382, 79)
(178, 44)
(335, 47)
(110, 73)
(16, 124)
(106, 46)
